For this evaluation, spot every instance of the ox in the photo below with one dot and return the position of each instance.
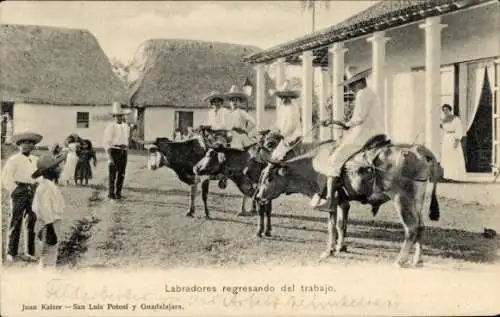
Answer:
(238, 166)
(379, 172)
(181, 157)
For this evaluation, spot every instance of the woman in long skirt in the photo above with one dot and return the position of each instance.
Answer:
(69, 169)
(452, 155)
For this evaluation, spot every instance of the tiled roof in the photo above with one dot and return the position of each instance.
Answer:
(381, 16)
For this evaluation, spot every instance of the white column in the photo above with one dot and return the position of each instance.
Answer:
(307, 95)
(432, 28)
(280, 79)
(324, 93)
(338, 52)
(260, 95)
(378, 41)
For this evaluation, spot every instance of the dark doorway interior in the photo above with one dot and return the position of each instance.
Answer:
(479, 137)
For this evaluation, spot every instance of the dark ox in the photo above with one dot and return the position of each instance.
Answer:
(239, 166)
(373, 176)
(181, 157)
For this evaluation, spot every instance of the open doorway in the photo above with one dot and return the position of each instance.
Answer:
(479, 137)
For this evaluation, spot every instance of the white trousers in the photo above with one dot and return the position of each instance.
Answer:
(331, 165)
(240, 140)
(280, 151)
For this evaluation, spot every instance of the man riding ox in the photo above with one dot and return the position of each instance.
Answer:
(219, 118)
(241, 123)
(365, 123)
(182, 156)
(365, 167)
(287, 121)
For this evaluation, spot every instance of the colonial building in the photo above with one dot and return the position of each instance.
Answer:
(423, 53)
(169, 79)
(56, 82)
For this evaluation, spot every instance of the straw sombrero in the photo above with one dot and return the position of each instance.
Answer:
(353, 75)
(214, 95)
(236, 92)
(118, 110)
(286, 91)
(46, 162)
(26, 136)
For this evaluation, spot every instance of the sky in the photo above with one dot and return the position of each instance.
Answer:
(121, 26)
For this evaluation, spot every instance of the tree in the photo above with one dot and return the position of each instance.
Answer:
(310, 5)
(120, 70)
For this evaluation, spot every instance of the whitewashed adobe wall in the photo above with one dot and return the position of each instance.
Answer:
(470, 35)
(55, 123)
(160, 121)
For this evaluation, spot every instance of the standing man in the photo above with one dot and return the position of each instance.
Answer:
(366, 122)
(16, 178)
(287, 121)
(240, 121)
(116, 141)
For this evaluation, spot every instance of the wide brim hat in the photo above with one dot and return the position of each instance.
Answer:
(118, 110)
(46, 162)
(214, 94)
(354, 75)
(236, 92)
(26, 136)
(286, 91)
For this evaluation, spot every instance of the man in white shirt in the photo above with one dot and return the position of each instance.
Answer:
(240, 121)
(16, 178)
(366, 122)
(287, 121)
(116, 142)
(218, 116)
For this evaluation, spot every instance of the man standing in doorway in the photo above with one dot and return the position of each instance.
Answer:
(116, 141)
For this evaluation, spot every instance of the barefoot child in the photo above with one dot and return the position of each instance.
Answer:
(55, 150)
(48, 205)
(84, 170)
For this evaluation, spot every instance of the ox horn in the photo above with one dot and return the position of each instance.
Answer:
(143, 141)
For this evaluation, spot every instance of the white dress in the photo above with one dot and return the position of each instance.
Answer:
(452, 158)
(68, 172)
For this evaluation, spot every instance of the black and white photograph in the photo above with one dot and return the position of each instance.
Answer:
(250, 158)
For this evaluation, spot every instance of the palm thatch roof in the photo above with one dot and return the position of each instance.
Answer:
(179, 73)
(381, 16)
(48, 65)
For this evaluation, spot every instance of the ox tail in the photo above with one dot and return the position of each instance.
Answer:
(434, 212)
(435, 176)
(435, 173)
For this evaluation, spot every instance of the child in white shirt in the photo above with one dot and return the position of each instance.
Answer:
(48, 205)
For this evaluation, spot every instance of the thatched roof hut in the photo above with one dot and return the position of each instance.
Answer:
(47, 65)
(179, 73)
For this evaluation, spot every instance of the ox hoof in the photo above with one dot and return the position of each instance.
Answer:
(208, 217)
(401, 264)
(341, 249)
(259, 234)
(325, 255)
(418, 264)
(190, 214)
(267, 234)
